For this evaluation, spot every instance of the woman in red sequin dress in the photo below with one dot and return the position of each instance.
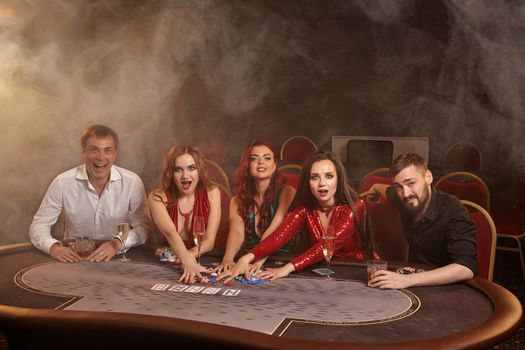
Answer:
(184, 194)
(323, 199)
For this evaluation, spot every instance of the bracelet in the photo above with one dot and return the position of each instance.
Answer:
(121, 242)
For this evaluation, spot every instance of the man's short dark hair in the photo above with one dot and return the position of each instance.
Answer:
(405, 160)
(98, 130)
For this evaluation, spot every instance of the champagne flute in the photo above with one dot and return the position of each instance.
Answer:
(123, 231)
(199, 227)
(328, 243)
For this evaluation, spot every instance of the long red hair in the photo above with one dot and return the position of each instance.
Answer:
(246, 190)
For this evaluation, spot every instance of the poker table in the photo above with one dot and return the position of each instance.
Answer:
(44, 303)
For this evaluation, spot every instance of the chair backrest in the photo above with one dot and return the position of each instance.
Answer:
(386, 228)
(520, 200)
(292, 172)
(298, 148)
(292, 179)
(486, 237)
(463, 156)
(218, 175)
(466, 186)
(222, 234)
(380, 175)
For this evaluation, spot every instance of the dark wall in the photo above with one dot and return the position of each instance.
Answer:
(221, 73)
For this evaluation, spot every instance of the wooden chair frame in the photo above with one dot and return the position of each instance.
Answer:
(373, 172)
(284, 168)
(492, 229)
(472, 176)
(225, 186)
(518, 249)
(297, 137)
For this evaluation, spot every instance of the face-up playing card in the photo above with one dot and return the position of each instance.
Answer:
(323, 271)
(194, 289)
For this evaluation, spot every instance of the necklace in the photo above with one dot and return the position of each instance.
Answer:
(186, 219)
(327, 210)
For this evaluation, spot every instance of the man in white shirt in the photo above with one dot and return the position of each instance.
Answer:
(94, 198)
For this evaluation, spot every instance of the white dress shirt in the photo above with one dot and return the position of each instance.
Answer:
(86, 214)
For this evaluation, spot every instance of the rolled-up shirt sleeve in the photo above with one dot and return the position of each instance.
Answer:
(461, 239)
(89, 214)
(139, 216)
(46, 216)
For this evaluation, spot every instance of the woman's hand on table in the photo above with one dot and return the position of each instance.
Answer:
(273, 274)
(241, 267)
(224, 266)
(255, 268)
(190, 270)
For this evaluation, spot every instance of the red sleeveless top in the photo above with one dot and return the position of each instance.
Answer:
(201, 207)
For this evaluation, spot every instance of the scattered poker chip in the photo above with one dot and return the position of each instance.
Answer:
(407, 270)
(165, 254)
(211, 280)
(252, 280)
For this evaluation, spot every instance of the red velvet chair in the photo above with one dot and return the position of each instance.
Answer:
(380, 175)
(292, 172)
(510, 223)
(386, 228)
(463, 156)
(466, 186)
(222, 234)
(297, 148)
(218, 175)
(486, 238)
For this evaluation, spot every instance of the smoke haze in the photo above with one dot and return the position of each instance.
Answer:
(221, 73)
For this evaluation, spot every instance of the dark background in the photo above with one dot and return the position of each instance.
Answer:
(222, 73)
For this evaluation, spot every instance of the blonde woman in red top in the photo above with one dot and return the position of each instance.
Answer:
(186, 193)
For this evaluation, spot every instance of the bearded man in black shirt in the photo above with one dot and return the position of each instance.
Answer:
(437, 227)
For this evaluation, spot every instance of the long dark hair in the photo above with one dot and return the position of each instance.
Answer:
(246, 190)
(344, 194)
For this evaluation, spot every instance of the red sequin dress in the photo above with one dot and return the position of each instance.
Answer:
(201, 207)
(348, 242)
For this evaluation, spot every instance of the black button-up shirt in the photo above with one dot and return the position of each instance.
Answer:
(444, 235)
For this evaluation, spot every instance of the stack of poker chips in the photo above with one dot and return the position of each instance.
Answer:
(212, 280)
(252, 280)
(166, 254)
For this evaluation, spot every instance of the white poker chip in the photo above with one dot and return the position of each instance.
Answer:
(407, 270)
